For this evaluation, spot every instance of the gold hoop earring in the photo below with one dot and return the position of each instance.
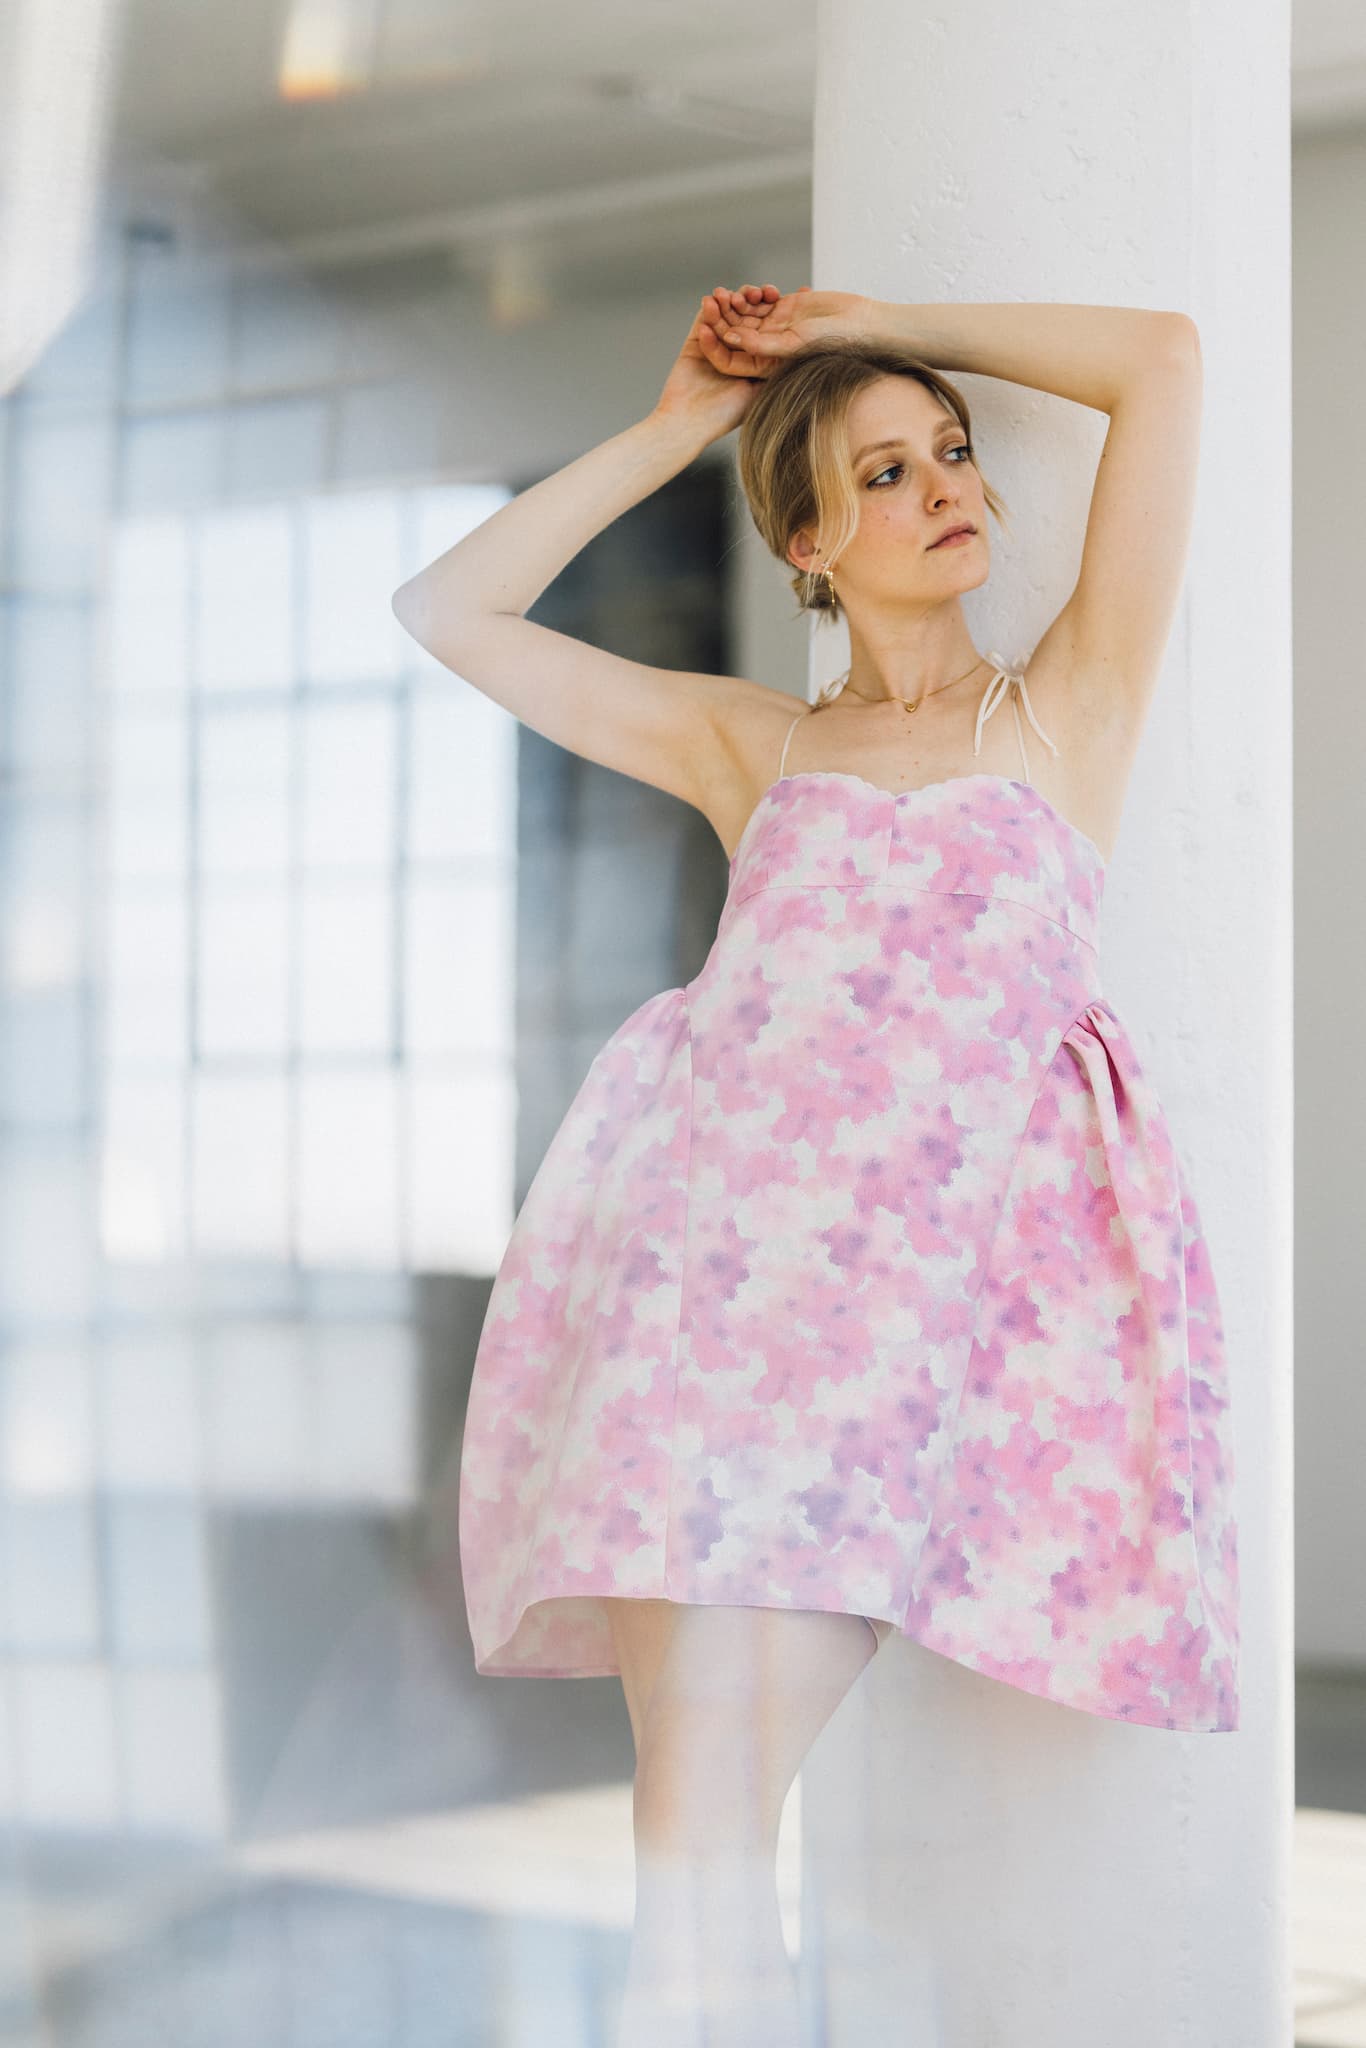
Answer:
(829, 576)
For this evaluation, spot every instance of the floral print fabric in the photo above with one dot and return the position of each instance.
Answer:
(862, 1274)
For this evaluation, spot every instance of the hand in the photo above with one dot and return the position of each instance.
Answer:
(779, 328)
(712, 384)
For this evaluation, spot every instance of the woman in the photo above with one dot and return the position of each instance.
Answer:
(861, 1289)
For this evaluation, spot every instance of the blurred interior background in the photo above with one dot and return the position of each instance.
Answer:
(305, 946)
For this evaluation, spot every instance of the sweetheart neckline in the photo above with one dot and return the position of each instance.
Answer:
(944, 782)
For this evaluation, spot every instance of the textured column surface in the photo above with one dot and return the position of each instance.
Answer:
(982, 1866)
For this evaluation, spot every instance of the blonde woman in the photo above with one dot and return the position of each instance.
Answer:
(861, 1290)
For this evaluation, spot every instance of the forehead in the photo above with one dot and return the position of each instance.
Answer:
(898, 406)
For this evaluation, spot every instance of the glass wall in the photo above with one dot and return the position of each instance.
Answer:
(305, 946)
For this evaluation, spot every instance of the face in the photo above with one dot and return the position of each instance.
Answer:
(910, 491)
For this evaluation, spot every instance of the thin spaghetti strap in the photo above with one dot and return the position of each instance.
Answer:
(782, 759)
(1019, 734)
(1019, 682)
(991, 697)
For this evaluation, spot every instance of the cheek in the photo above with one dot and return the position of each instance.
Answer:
(894, 524)
(888, 517)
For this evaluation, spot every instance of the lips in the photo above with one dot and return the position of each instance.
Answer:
(962, 527)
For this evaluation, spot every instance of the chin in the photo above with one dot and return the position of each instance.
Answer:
(973, 572)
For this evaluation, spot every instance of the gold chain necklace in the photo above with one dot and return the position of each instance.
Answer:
(909, 703)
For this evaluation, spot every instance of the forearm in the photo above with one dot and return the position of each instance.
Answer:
(1086, 353)
(507, 561)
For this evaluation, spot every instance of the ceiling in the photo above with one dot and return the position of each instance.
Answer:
(534, 147)
(515, 140)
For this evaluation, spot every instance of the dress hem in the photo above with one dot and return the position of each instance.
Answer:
(1151, 1719)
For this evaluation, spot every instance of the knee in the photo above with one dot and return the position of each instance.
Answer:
(689, 1800)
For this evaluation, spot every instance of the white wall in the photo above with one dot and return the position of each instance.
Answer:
(1330, 876)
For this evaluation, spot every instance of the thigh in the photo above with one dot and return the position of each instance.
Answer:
(736, 1680)
(740, 1696)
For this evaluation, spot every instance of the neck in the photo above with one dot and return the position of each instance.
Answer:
(905, 658)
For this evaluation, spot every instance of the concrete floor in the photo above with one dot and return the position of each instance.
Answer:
(501, 1923)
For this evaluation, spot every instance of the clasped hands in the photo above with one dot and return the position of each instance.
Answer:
(743, 333)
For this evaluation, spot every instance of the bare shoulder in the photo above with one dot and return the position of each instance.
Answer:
(1093, 722)
(749, 723)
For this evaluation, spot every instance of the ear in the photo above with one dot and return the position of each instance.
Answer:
(802, 553)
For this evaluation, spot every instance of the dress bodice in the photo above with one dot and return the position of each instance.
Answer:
(971, 835)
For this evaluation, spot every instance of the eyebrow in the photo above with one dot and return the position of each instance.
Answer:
(949, 427)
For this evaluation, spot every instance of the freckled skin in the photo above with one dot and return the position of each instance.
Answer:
(863, 1275)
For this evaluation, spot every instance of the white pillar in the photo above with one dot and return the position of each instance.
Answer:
(981, 1865)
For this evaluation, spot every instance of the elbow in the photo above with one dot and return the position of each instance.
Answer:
(1181, 336)
(406, 607)
(430, 618)
(1169, 351)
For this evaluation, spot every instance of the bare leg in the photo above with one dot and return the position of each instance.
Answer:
(725, 1702)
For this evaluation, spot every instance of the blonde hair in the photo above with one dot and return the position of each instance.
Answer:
(793, 454)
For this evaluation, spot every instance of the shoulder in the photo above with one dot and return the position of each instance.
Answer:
(747, 717)
(749, 722)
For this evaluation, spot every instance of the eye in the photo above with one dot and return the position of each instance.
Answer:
(875, 483)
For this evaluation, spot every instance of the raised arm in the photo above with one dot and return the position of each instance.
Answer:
(1102, 654)
(1093, 671)
(466, 607)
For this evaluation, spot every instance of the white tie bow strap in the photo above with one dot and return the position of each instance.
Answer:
(998, 688)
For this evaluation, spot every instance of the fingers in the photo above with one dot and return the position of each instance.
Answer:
(730, 329)
(753, 338)
(746, 298)
(740, 314)
(726, 307)
(714, 316)
(716, 352)
(730, 362)
(719, 315)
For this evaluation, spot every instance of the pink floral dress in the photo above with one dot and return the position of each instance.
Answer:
(863, 1275)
